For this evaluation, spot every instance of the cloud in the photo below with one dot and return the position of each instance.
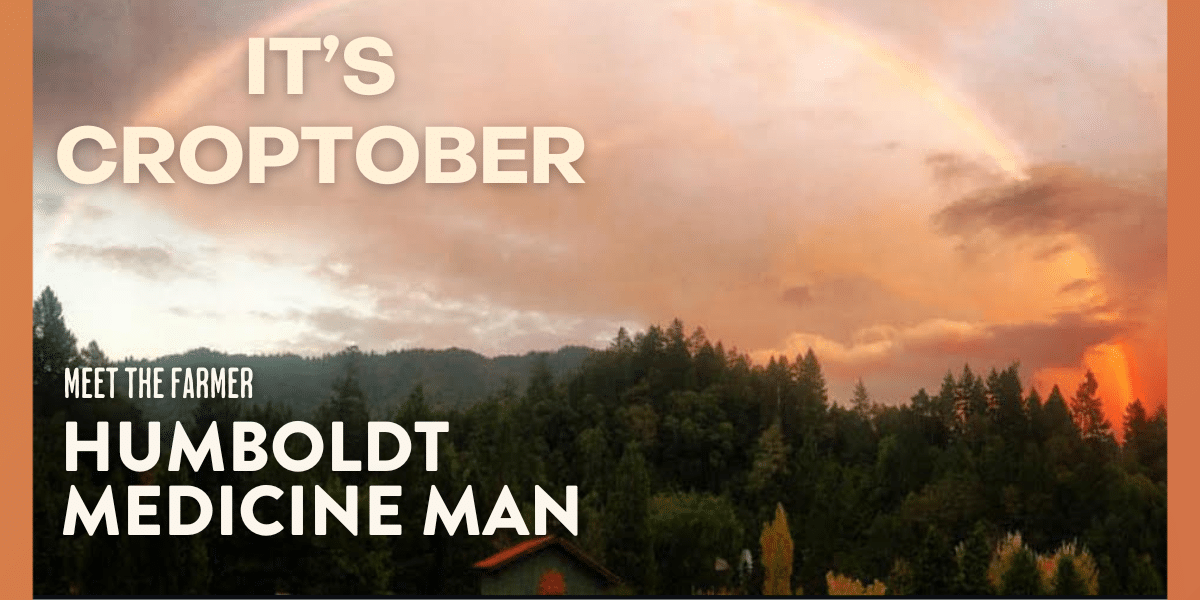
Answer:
(48, 205)
(952, 168)
(1064, 213)
(1054, 199)
(1124, 223)
(94, 61)
(423, 324)
(901, 359)
(1079, 285)
(734, 173)
(190, 313)
(156, 263)
(95, 213)
(799, 295)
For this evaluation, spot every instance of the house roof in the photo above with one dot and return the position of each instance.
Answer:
(528, 548)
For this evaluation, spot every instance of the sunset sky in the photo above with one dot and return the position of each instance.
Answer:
(904, 187)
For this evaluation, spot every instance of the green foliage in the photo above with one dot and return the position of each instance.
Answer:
(1067, 581)
(1088, 410)
(973, 556)
(1144, 578)
(862, 399)
(681, 448)
(689, 533)
(1021, 578)
(630, 546)
(900, 578)
(53, 351)
(452, 378)
(930, 573)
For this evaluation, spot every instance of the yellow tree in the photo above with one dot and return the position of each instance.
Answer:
(841, 585)
(776, 543)
(1079, 578)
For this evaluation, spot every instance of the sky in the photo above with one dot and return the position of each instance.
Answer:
(904, 188)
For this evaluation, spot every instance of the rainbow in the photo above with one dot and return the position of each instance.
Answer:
(184, 89)
(179, 95)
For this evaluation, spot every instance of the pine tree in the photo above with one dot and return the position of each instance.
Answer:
(946, 402)
(810, 399)
(1067, 581)
(1034, 408)
(93, 356)
(630, 552)
(932, 565)
(1005, 389)
(1135, 420)
(1021, 578)
(54, 351)
(1088, 410)
(862, 400)
(812, 381)
(347, 404)
(974, 556)
(1056, 416)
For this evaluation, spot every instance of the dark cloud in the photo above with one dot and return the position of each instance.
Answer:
(1054, 199)
(155, 263)
(1061, 342)
(799, 295)
(94, 61)
(1124, 223)
(1079, 285)
(954, 168)
(898, 360)
(48, 204)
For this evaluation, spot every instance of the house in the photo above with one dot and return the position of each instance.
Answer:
(545, 565)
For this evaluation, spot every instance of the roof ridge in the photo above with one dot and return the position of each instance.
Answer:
(532, 545)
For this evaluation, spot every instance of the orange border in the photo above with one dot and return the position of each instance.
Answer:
(1183, 353)
(16, 359)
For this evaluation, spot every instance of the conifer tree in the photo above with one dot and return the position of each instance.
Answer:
(1088, 410)
(54, 351)
(1021, 578)
(1067, 581)
(974, 556)
(630, 553)
(862, 399)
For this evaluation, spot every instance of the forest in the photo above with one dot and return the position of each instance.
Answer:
(699, 472)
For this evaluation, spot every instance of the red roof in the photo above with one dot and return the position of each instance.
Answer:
(505, 556)
(530, 547)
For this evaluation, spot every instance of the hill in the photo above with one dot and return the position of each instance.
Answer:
(450, 378)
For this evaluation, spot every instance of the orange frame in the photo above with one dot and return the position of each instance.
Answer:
(16, 319)
(1184, 352)
(16, 237)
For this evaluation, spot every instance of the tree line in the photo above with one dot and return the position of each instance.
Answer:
(689, 458)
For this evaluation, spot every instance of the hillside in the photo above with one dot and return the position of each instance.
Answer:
(450, 378)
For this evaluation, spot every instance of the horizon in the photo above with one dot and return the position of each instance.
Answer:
(840, 397)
